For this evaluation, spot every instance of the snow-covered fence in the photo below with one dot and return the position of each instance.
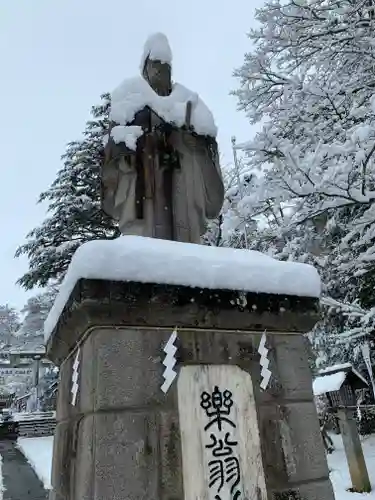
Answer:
(6, 400)
(36, 424)
(20, 403)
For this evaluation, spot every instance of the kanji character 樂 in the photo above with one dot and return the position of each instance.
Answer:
(217, 407)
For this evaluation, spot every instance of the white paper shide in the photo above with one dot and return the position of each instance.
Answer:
(264, 362)
(169, 362)
(75, 377)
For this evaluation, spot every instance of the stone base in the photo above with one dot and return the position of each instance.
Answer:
(121, 440)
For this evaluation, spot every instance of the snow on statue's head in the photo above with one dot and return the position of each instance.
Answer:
(156, 63)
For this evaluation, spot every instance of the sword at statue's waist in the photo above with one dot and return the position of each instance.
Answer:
(149, 165)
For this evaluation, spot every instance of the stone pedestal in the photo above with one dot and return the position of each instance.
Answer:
(121, 439)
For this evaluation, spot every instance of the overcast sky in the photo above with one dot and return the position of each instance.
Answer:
(58, 56)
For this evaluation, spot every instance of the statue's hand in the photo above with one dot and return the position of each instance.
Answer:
(166, 127)
(110, 175)
(110, 182)
(169, 127)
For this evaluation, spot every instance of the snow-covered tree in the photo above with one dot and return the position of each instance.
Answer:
(309, 83)
(74, 199)
(230, 227)
(9, 324)
(35, 313)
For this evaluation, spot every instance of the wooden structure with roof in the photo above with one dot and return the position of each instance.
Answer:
(339, 383)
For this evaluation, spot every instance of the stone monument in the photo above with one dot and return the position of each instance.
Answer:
(183, 367)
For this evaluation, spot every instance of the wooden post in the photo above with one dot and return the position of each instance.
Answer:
(353, 451)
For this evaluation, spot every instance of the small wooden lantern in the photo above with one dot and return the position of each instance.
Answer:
(339, 384)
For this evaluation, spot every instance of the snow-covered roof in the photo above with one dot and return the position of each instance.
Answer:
(25, 351)
(25, 346)
(156, 48)
(148, 260)
(30, 416)
(328, 383)
(332, 378)
(346, 367)
(334, 368)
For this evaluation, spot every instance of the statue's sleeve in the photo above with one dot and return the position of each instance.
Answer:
(212, 177)
(113, 151)
(110, 172)
(199, 156)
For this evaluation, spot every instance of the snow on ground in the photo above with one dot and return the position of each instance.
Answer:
(38, 452)
(2, 488)
(340, 473)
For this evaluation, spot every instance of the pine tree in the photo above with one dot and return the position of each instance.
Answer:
(75, 214)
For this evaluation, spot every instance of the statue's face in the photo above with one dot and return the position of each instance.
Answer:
(158, 74)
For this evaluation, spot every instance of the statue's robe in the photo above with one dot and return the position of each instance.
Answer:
(168, 199)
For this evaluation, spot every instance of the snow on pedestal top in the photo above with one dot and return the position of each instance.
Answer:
(148, 260)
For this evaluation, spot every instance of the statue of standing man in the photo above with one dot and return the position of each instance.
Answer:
(161, 176)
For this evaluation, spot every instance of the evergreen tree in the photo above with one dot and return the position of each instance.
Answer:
(75, 214)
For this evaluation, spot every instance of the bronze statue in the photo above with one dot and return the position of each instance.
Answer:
(161, 176)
